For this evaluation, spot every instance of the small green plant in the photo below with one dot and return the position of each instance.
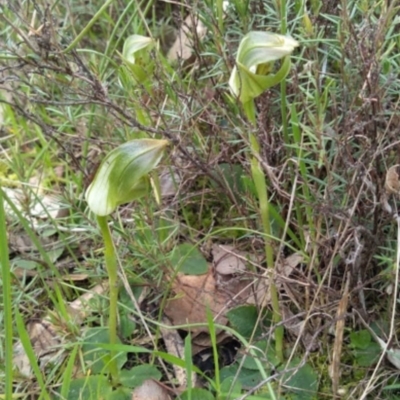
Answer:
(121, 178)
(252, 75)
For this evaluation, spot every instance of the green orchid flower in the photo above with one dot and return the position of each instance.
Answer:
(136, 53)
(123, 175)
(255, 59)
(121, 178)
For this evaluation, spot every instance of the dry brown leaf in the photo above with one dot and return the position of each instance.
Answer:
(203, 341)
(150, 390)
(46, 206)
(182, 47)
(286, 267)
(41, 206)
(46, 337)
(175, 346)
(220, 292)
(296, 326)
(45, 343)
(194, 293)
(80, 308)
(261, 294)
(227, 260)
(169, 183)
(392, 181)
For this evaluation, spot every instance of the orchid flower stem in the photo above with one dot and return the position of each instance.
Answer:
(111, 265)
(283, 82)
(7, 302)
(284, 112)
(259, 180)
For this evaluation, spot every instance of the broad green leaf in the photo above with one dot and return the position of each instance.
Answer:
(189, 260)
(368, 356)
(248, 378)
(137, 375)
(230, 386)
(122, 393)
(197, 394)
(122, 176)
(243, 319)
(95, 356)
(303, 383)
(127, 326)
(266, 351)
(93, 387)
(360, 339)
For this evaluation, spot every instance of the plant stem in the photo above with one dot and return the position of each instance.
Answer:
(283, 82)
(7, 301)
(262, 194)
(111, 265)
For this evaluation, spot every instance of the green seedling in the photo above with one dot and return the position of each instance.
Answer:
(121, 178)
(252, 75)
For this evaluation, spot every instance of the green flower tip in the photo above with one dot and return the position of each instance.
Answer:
(256, 54)
(133, 44)
(123, 175)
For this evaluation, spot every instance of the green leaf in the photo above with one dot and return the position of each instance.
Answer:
(121, 393)
(369, 355)
(137, 375)
(266, 351)
(95, 356)
(248, 378)
(68, 371)
(303, 383)
(197, 394)
(94, 387)
(127, 326)
(189, 260)
(24, 264)
(360, 339)
(122, 176)
(243, 319)
(230, 386)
